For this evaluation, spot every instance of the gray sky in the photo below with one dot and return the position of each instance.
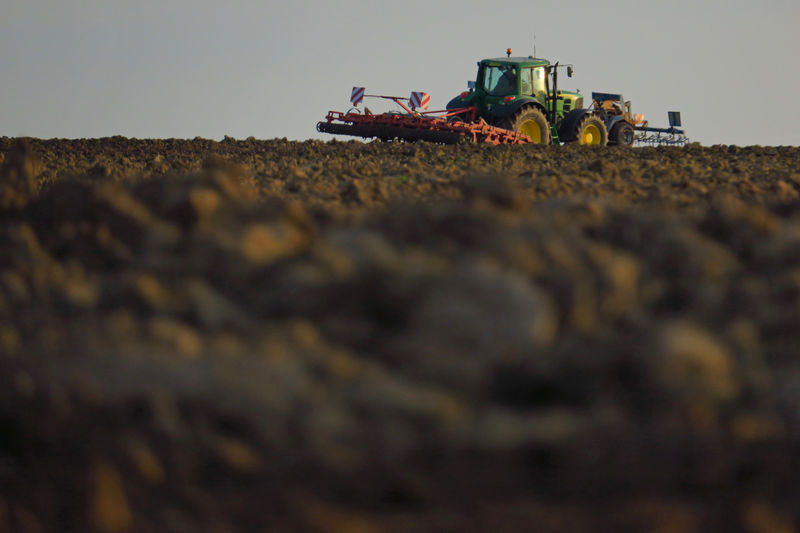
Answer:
(93, 68)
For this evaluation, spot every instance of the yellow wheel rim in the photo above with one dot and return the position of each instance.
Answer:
(591, 135)
(532, 130)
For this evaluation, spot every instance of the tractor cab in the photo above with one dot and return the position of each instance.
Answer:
(501, 81)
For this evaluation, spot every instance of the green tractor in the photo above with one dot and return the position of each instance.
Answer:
(521, 94)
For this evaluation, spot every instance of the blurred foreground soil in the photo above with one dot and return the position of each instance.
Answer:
(238, 336)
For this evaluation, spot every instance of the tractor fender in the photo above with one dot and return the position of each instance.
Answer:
(458, 102)
(612, 120)
(567, 128)
(506, 110)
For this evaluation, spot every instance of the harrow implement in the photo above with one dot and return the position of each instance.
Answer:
(388, 126)
(444, 126)
(663, 136)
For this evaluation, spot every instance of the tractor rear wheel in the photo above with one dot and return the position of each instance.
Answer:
(622, 134)
(531, 122)
(590, 130)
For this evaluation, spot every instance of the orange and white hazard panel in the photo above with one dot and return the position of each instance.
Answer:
(419, 99)
(357, 95)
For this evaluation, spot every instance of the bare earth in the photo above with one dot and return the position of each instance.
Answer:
(238, 336)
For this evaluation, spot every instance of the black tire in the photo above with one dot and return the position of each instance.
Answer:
(590, 130)
(622, 134)
(530, 121)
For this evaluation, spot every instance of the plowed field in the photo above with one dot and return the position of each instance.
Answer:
(201, 336)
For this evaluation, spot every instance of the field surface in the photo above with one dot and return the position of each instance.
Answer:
(237, 336)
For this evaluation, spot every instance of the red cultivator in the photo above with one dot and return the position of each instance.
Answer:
(388, 126)
(446, 126)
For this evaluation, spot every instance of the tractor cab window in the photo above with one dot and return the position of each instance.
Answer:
(531, 81)
(499, 80)
(538, 80)
(526, 81)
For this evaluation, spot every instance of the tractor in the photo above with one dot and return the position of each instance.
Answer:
(521, 94)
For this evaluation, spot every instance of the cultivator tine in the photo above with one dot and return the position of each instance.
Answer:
(661, 139)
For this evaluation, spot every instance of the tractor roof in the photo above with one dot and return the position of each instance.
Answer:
(524, 61)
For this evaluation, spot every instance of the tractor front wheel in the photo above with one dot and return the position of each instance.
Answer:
(531, 122)
(591, 131)
(622, 134)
